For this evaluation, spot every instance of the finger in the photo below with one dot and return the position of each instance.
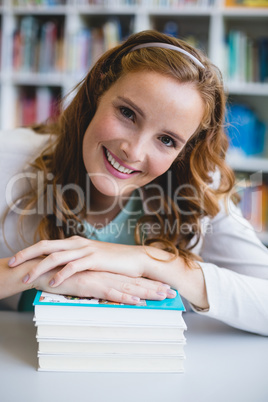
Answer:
(151, 284)
(75, 266)
(52, 261)
(114, 295)
(89, 262)
(141, 292)
(149, 289)
(144, 288)
(141, 282)
(45, 247)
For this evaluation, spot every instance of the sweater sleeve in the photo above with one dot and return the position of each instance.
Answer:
(235, 269)
(18, 148)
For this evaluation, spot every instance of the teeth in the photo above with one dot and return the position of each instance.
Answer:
(116, 165)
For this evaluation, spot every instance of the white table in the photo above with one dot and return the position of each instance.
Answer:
(222, 365)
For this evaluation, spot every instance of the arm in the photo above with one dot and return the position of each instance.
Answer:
(78, 254)
(231, 284)
(104, 285)
(236, 273)
(10, 280)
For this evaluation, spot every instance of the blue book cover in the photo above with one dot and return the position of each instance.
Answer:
(50, 299)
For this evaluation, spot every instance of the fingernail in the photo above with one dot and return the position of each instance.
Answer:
(11, 261)
(162, 294)
(166, 286)
(171, 292)
(52, 282)
(137, 299)
(26, 278)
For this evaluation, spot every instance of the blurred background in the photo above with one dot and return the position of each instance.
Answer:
(47, 46)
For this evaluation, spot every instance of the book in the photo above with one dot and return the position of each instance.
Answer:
(170, 364)
(119, 332)
(80, 347)
(245, 131)
(60, 308)
(88, 334)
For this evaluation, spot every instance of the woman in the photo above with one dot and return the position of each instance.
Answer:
(138, 159)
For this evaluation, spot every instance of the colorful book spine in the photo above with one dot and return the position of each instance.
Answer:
(149, 3)
(41, 3)
(245, 131)
(38, 46)
(253, 202)
(247, 57)
(246, 3)
(89, 43)
(36, 105)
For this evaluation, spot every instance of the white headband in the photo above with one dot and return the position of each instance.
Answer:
(168, 46)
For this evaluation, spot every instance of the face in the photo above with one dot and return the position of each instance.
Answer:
(141, 124)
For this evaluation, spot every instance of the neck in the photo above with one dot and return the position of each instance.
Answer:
(103, 208)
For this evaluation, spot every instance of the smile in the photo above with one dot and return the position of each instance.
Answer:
(117, 168)
(117, 165)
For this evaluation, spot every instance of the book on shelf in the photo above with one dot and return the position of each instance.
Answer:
(246, 3)
(247, 57)
(38, 45)
(41, 3)
(253, 201)
(245, 131)
(36, 105)
(88, 334)
(87, 44)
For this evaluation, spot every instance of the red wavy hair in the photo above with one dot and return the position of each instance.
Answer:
(203, 155)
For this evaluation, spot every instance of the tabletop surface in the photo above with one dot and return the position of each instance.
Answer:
(222, 365)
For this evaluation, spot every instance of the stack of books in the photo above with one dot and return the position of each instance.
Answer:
(94, 335)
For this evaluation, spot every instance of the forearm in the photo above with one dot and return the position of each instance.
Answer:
(11, 278)
(189, 282)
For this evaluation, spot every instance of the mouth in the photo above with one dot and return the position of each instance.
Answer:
(116, 168)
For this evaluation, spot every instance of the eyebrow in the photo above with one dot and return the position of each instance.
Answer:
(139, 110)
(177, 136)
(133, 105)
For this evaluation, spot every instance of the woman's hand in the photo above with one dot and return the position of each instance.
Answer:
(108, 286)
(78, 254)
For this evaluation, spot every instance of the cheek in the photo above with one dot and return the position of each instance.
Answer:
(160, 165)
(104, 129)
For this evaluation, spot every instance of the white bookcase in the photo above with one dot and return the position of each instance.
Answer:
(209, 23)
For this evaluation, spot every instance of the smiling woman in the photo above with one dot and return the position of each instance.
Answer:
(139, 133)
(131, 196)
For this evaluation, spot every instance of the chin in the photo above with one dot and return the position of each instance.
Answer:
(106, 186)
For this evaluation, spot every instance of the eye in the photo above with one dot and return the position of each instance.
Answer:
(168, 141)
(127, 113)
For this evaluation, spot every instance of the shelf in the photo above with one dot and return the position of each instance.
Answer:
(189, 11)
(107, 10)
(247, 88)
(248, 12)
(40, 10)
(247, 164)
(39, 79)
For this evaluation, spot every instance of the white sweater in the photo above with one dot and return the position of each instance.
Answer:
(235, 263)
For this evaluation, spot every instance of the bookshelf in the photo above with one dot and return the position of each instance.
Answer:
(76, 32)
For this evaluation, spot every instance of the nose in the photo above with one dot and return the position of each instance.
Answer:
(134, 149)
